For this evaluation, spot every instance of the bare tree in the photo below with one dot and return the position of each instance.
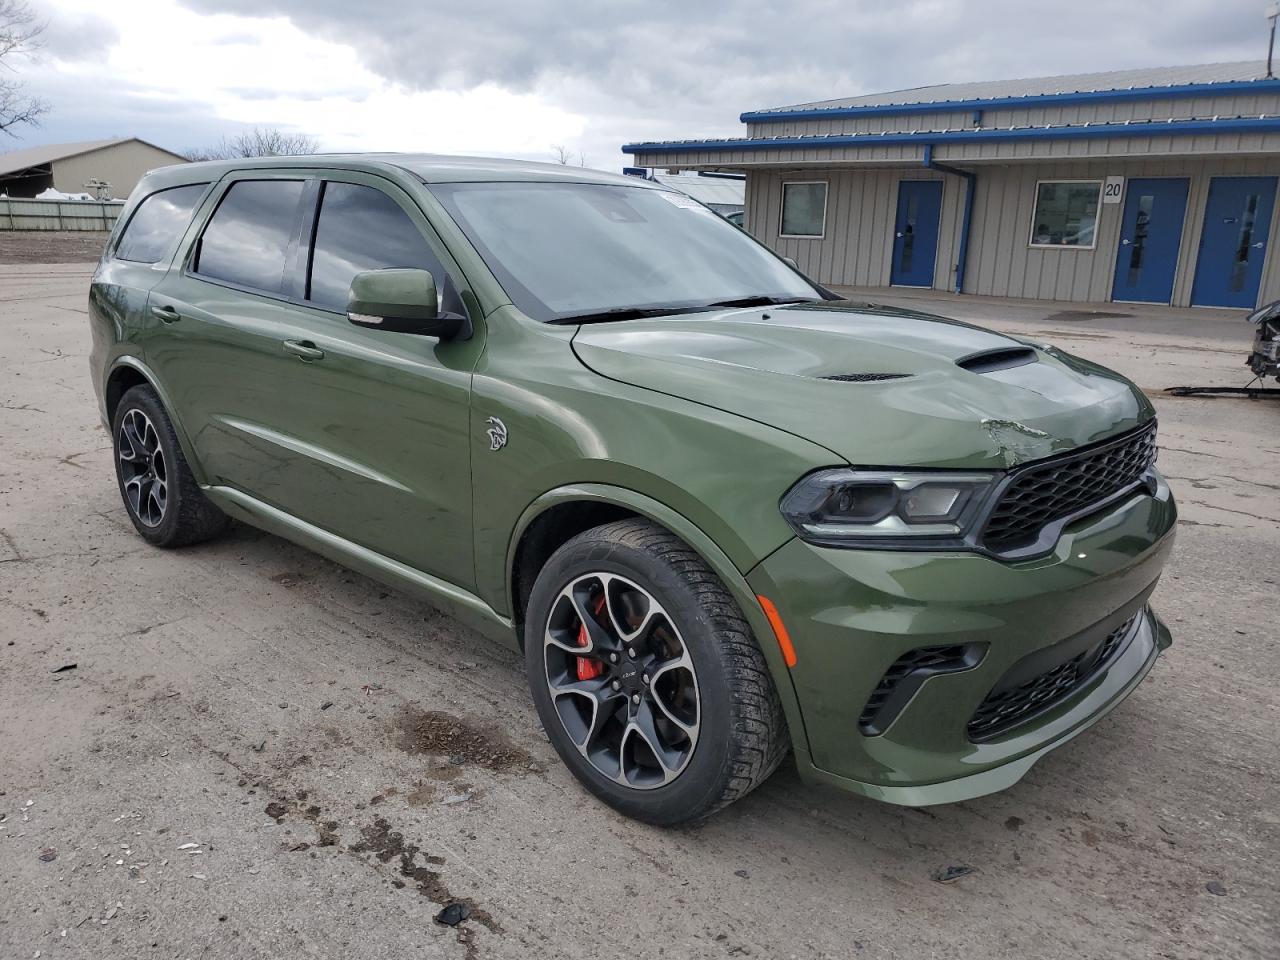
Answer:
(258, 142)
(566, 157)
(19, 34)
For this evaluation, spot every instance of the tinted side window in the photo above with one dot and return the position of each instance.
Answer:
(247, 239)
(158, 222)
(361, 228)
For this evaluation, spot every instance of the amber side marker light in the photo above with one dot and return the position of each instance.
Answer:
(779, 629)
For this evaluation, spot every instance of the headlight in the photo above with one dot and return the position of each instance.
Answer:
(843, 507)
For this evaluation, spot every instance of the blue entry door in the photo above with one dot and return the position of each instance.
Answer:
(1150, 236)
(1233, 244)
(915, 233)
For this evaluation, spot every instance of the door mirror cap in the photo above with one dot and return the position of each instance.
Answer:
(401, 301)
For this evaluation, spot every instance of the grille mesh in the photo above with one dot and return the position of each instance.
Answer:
(933, 659)
(1039, 495)
(1002, 711)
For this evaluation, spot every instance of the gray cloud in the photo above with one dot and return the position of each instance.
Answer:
(662, 68)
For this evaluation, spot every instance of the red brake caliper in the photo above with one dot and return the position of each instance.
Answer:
(589, 669)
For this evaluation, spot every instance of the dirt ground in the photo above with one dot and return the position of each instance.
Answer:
(242, 750)
(54, 246)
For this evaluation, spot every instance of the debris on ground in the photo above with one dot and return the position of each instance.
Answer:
(48, 854)
(65, 667)
(275, 810)
(951, 874)
(1216, 888)
(453, 913)
(326, 705)
(744, 874)
(457, 798)
(189, 846)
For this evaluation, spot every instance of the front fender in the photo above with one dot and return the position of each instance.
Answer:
(710, 553)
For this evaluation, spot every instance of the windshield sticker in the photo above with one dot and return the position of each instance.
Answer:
(680, 200)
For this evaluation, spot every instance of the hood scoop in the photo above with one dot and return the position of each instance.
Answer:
(989, 361)
(865, 377)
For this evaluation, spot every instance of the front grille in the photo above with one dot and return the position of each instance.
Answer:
(1003, 710)
(904, 677)
(1040, 494)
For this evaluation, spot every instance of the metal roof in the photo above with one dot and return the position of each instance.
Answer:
(1064, 131)
(16, 160)
(708, 190)
(1146, 77)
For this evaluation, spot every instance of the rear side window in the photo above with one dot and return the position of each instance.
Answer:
(247, 239)
(361, 228)
(158, 222)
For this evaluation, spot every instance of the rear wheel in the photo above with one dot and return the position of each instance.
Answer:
(163, 500)
(647, 678)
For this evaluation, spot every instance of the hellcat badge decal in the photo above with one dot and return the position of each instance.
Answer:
(497, 433)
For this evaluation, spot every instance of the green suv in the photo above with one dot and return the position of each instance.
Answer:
(722, 513)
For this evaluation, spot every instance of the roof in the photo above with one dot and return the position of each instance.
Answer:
(29, 157)
(722, 190)
(430, 168)
(1139, 80)
(1065, 131)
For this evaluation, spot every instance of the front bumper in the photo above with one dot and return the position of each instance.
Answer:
(852, 613)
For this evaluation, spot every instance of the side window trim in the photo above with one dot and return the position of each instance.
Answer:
(242, 176)
(123, 227)
(450, 292)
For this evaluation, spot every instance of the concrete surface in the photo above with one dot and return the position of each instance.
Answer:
(308, 730)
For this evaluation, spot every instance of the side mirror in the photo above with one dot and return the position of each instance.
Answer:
(402, 301)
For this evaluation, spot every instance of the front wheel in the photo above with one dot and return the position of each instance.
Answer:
(646, 676)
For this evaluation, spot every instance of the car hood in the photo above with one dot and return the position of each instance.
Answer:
(773, 365)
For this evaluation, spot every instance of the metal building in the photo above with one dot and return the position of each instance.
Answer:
(75, 167)
(1154, 185)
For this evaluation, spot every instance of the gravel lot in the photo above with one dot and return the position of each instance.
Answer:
(344, 759)
(54, 246)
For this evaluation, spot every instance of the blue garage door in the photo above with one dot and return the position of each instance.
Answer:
(1150, 235)
(915, 233)
(1233, 245)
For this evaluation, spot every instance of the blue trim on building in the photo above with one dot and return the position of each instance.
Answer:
(1153, 128)
(1174, 92)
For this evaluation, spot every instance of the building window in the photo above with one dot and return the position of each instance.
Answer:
(804, 209)
(1066, 213)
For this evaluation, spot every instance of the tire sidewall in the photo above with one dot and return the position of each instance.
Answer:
(703, 780)
(145, 400)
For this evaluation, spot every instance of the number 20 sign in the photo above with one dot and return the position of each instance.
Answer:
(1112, 189)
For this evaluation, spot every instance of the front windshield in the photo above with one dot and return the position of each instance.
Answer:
(564, 251)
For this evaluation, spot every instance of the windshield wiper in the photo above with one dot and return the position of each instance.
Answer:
(627, 313)
(761, 301)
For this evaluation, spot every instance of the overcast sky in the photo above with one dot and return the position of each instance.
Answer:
(513, 77)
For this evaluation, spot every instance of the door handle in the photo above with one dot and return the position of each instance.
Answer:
(167, 314)
(1259, 244)
(303, 350)
(1125, 242)
(897, 234)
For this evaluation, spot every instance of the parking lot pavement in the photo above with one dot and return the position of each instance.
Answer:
(345, 759)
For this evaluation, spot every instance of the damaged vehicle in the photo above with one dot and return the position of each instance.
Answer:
(722, 514)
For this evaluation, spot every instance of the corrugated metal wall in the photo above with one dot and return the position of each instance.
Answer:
(861, 209)
(1113, 111)
(122, 165)
(58, 214)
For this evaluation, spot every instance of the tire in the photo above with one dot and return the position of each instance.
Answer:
(723, 743)
(160, 494)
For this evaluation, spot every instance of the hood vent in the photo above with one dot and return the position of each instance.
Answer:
(989, 361)
(865, 377)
